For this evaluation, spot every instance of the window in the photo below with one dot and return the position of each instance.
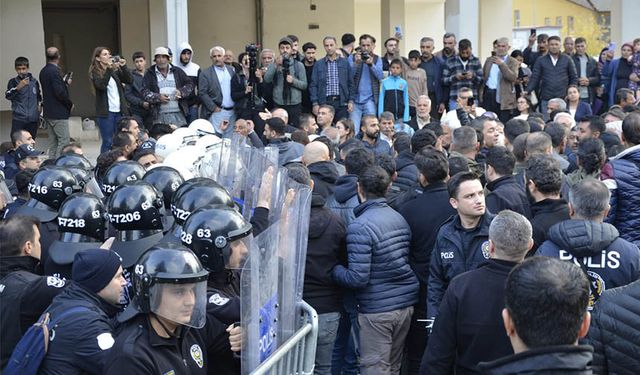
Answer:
(570, 23)
(516, 18)
(547, 21)
(558, 21)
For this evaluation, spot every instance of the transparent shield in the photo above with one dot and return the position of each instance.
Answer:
(259, 306)
(233, 166)
(183, 303)
(93, 187)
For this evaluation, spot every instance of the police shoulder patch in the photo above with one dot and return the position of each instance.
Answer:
(55, 282)
(217, 299)
(105, 340)
(196, 354)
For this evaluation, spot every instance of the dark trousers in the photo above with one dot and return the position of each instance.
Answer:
(294, 112)
(31, 127)
(345, 359)
(417, 338)
(490, 104)
(434, 105)
(341, 110)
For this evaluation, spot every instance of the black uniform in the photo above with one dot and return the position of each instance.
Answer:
(139, 350)
(23, 297)
(223, 307)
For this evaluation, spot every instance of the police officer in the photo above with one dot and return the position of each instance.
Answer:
(166, 180)
(81, 341)
(119, 173)
(48, 188)
(134, 212)
(163, 330)
(82, 169)
(81, 224)
(24, 295)
(193, 194)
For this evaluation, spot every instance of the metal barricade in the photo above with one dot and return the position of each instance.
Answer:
(296, 356)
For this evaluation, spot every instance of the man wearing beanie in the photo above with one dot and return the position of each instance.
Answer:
(82, 339)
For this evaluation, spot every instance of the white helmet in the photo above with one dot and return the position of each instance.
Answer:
(202, 127)
(208, 141)
(186, 160)
(186, 135)
(167, 144)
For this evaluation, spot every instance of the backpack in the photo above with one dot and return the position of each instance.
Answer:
(32, 347)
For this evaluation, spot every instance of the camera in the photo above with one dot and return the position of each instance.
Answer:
(115, 59)
(286, 64)
(364, 55)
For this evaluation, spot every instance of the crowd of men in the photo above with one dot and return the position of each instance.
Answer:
(465, 217)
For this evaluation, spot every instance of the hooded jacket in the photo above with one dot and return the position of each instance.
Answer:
(344, 198)
(288, 150)
(324, 175)
(507, 194)
(407, 170)
(598, 249)
(544, 214)
(326, 248)
(378, 254)
(191, 69)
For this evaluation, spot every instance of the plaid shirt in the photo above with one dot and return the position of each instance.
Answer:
(454, 66)
(333, 84)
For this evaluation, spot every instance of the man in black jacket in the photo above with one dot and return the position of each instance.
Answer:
(167, 89)
(545, 315)
(85, 338)
(326, 248)
(587, 71)
(425, 213)
(544, 180)
(322, 170)
(505, 194)
(24, 295)
(406, 168)
(552, 74)
(469, 327)
(133, 92)
(56, 103)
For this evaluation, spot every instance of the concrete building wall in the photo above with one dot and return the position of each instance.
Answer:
(16, 41)
(134, 29)
(494, 16)
(423, 18)
(367, 17)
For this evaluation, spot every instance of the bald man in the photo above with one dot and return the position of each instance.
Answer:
(322, 170)
(56, 102)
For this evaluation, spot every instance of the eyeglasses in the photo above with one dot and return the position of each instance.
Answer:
(490, 115)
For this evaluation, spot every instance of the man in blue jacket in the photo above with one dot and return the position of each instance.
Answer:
(26, 100)
(332, 82)
(378, 269)
(462, 243)
(83, 339)
(608, 260)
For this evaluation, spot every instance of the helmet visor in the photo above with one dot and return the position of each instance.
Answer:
(182, 303)
(92, 187)
(238, 252)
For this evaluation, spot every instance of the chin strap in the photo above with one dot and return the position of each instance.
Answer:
(166, 330)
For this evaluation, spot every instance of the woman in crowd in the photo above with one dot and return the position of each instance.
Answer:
(107, 74)
(576, 107)
(591, 159)
(524, 107)
(616, 72)
(346, 129)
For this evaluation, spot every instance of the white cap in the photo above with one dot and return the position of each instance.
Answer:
(161, 51)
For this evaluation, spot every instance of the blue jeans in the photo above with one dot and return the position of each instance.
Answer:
(217, 118)
(193, 114)
(345, 351)
(360, 109)
(327, 330)
(107, 126)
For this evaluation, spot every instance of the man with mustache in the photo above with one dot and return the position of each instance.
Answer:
(462, 243)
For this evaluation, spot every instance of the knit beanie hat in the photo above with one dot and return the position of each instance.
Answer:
(94, 268)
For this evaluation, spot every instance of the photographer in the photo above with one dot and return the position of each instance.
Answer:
(289, 80)
(366, 67)
(246, 88)
(107, 74)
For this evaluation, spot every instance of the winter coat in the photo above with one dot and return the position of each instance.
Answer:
(318, 83)
(469, 328)
(608, 260)
(294, 96)
(456, 250)
(592, 73)
(552, 80)
(100, 85)
(379, 147)
(425, 213)
(615, 331)
(56, 103)
(625, 194)
(508, 76)
(507, 194)
(544, 214)
(324, 175)
(151, 91)
(344, 198)
(378, 255)
(552, 360)
(326, 248)
(407, 170)
(288, 150)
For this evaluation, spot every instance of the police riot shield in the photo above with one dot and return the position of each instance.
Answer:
(235, 159)
(259, 296)
(294, 231)
(263, 178)
(210, 166)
